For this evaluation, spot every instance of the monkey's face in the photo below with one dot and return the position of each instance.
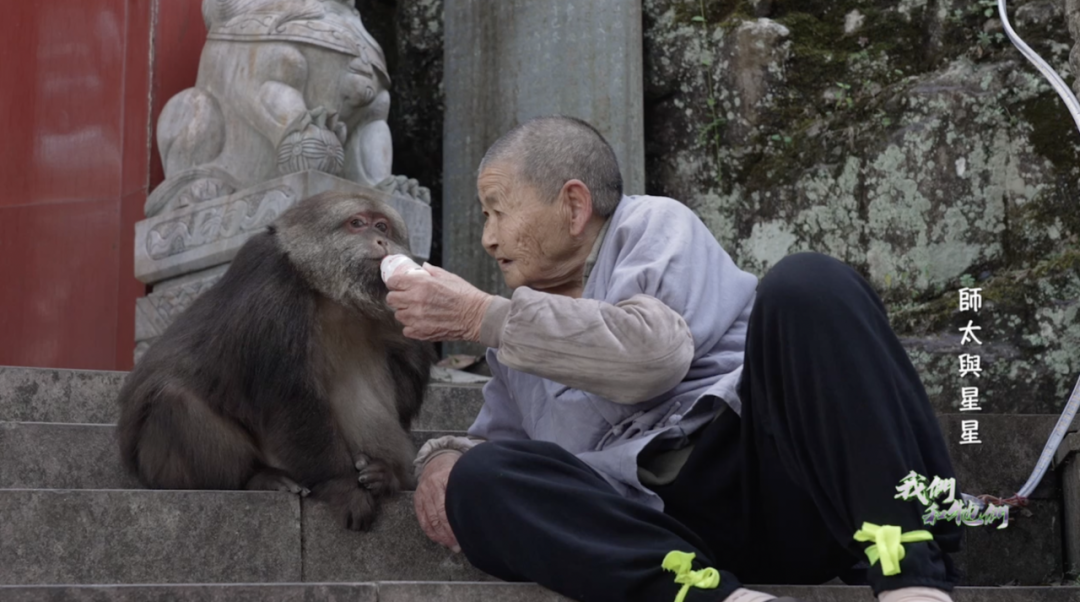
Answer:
(338, 241)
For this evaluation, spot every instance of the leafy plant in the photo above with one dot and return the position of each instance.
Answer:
(711, 133)
(844, 96)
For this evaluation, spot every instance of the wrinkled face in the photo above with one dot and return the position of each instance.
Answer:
(528, 236)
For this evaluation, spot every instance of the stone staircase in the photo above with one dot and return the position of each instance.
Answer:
(74, 526)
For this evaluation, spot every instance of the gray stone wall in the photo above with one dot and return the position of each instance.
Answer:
(909, 139)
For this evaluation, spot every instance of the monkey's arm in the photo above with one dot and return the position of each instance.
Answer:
(410, 369)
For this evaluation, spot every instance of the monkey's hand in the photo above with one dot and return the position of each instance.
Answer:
(376, 476)
(444, 307)
(430, 500)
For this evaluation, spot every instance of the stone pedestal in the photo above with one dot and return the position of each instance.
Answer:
(184, 252)
(511, 60)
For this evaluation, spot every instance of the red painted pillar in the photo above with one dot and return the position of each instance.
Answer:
(78, 96)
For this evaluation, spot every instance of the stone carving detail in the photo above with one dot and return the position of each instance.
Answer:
(246, 214)
(291, 100)
(284, 86)
(157, 310)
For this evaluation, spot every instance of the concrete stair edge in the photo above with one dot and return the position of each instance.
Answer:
(411, 591)
(70, 395)
(52, 455)
(136, 536)
(89, 397)
(80, 455)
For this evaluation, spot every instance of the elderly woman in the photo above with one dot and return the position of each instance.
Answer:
(658, 422)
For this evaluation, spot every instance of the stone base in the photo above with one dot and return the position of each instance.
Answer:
(210, 233)
(154, 312)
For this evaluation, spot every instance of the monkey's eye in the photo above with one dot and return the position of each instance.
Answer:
(357, 223)
(382, 227)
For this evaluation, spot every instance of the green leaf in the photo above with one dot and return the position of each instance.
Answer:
(707, 61)
(711, 102)
(698, 19)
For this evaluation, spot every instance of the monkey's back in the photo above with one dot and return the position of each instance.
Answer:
(237, 348)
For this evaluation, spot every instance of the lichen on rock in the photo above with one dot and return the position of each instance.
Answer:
(908, 139)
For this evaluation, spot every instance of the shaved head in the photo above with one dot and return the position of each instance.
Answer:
(546, 152)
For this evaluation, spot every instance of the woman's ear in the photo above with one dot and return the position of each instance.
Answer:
(577, 203)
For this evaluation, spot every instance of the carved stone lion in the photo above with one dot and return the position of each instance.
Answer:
(283, 86)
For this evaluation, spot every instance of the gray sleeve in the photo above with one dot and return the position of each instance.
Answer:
(628, 352)
(448, 444)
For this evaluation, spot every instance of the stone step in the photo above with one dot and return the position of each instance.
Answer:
(44, 455)
(89, 396)
(47, 455)
(405, 591)
(141, 536)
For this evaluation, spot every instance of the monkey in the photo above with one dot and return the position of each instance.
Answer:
(290, 373)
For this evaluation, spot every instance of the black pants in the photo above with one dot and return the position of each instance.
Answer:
(833, 417)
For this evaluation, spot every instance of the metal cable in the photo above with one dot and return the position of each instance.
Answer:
(1071, 406)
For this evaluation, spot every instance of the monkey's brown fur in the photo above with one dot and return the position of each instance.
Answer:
(290, 373)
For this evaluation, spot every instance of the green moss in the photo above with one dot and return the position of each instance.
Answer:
(1053, 209)
(1012, 291)
(822, 57)
(1067, 262)
(930, 316)
(1053, 134)
(716, 11)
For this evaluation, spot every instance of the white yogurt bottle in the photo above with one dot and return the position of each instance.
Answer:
(399, 264)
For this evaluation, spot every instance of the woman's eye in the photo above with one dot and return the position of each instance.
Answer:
(382, 227)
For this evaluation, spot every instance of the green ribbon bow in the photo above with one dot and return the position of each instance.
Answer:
(887, 544)
(680, 564)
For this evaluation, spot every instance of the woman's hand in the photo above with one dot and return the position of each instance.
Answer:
(430, 500)
(439, 306)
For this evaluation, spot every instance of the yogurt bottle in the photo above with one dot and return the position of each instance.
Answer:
(399, 264)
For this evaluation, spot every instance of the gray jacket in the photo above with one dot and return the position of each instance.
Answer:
(589, 374)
